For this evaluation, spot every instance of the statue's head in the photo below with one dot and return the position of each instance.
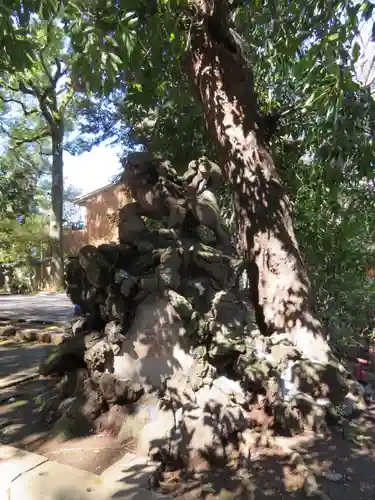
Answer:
(140, 168)
(137, 158)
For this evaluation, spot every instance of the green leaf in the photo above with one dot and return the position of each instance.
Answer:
(128, 39)
(115, 58)
(333, 36)
(311, 100)
(356, 51)
(367, 10)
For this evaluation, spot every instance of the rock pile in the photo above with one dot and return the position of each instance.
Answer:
(167, 352)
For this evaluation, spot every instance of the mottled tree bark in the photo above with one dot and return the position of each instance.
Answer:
(222, 77)
(57, 194)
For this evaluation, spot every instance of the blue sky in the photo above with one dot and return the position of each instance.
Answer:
(92, 170)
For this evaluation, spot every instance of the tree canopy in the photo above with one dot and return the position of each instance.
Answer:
(319, 114)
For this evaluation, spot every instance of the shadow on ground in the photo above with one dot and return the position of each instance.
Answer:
(23, 425)
(343, 462)
(343, 467)
(17, 357)
(340, 465)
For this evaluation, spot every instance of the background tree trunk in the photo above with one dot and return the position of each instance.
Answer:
(57, 194)
(224, 81)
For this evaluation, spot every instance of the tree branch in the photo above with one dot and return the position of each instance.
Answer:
(46, 112)
(36, 138)
(7, 86)
(45, 67)
(59, 72)
(26, 112)
(26, 90)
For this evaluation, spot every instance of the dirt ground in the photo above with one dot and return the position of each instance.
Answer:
(343, 462)
(21, 426)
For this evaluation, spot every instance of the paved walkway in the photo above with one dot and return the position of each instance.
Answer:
(37, 307)
(28, 476)
(20, 362)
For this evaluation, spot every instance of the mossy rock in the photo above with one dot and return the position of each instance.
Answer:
(184, 309)
(66, 357)
(320, 380)
(252, 371)
(68, 427)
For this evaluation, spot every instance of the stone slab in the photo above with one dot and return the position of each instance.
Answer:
(131, 469)
(128, 478)
(53, 481)
(29, 476)
(56, 338)
(14, 462)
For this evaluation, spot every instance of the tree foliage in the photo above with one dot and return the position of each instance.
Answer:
(40, 104)
(22, 240)
(19, 174)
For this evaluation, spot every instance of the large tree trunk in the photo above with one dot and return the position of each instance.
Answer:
(224, 81)
(56, 227)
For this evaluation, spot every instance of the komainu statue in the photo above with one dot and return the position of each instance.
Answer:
(185, 202)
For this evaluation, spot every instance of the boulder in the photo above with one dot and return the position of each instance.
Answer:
(312, 414)
(179, 390)
(231, 388)
(68, 427)
(128, 284)
(157, 342)
(131, 229)
(183, 308)
(8, 331)
(174, 361)
(287, 418)
(253, 372)
(157, 438)
(114, 332)
(82, 326)
(66, 357)
(99, 357)
(212, 399)
(168, 269)
(199, 292)
(87, 404)
(119, 391)
(113, 420)
(133, 426)
(320, 381)
(28, 334)
(212, 263)
(201, 445)
(73, 382)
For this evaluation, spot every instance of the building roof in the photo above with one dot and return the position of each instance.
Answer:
(82, 199)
